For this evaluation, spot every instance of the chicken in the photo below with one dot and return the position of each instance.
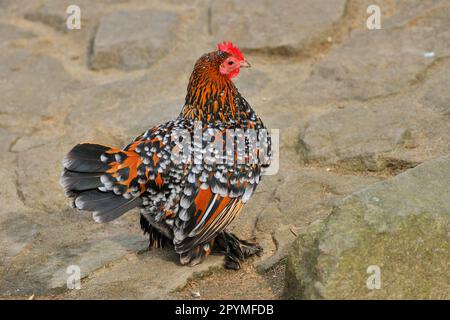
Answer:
(190, 177)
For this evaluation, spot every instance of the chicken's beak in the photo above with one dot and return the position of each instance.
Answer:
(245, 64)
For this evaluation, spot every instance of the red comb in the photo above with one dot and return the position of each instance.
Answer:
(231, 49)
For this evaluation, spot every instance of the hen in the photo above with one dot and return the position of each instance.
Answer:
(190, 177)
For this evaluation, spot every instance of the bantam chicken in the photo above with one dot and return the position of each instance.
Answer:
(186, 201)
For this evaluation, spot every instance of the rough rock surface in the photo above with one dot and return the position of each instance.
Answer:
(382, 135)
(400, 225)
(133, 40)
(353, 106)
(264, 25)
(378, 63)
(9, 33)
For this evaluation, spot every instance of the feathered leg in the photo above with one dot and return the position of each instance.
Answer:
(156, 239)
(197, 254)
(235, 250)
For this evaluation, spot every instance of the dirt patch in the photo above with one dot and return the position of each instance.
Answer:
(247, 283)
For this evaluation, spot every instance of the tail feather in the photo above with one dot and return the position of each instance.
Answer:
(86, 158)
(89, 178)
(106, 206)
(79, 181)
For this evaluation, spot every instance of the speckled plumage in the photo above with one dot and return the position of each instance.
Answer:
(186, 203)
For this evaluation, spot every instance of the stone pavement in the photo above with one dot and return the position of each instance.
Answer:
(355, 107)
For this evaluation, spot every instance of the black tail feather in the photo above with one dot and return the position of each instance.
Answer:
(81, 179)
(86, 157)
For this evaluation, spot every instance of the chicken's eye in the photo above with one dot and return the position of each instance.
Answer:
(230, 63)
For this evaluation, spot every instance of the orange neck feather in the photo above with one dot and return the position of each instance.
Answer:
(210, 95)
